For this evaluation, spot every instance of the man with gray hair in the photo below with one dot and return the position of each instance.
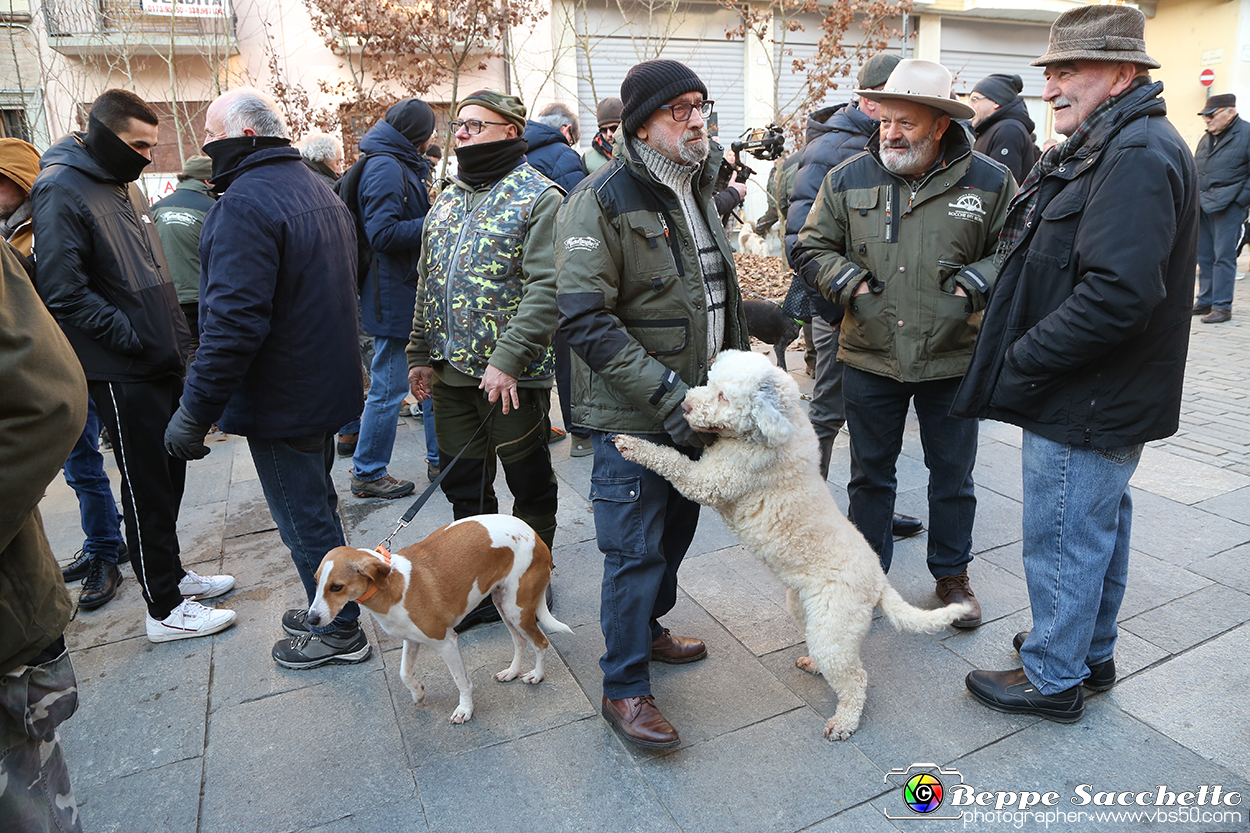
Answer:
(277, 361)
(551, 136)
(323, 154)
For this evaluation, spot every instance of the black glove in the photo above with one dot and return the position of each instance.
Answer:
(682, 433)
(184, 440)
(807, 267)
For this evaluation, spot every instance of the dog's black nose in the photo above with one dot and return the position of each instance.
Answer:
(314, 618)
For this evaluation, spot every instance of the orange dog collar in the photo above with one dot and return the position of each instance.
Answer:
(385, 555)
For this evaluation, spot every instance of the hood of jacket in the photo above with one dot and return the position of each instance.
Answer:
(1014, 110)
(382, 138)
(264, 156)
(844, 118)
(539, 135)
(71, 152)
(19, 161)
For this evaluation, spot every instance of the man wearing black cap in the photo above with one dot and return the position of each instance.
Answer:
(608, 115)
(1083, 346)
(1222, 159)
(278, 361)
(485, 316)
(394, 196)
(648, 296)
(1002, 123)
(103, 275)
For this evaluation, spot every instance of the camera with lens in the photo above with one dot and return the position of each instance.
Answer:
(764, 143)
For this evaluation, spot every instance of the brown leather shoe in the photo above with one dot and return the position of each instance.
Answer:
(640, 722)
(956, 589)
(1218, 316)
(677, 650)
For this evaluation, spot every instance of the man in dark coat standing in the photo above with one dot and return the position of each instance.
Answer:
(277, 362)
(102, 273)
(1222, 159)
(1084, 344)
(394, 197)
(551, 137)
(1002, 123)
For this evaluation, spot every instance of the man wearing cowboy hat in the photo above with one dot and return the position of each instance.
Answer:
(1084, 346)
(903, 238)
(1222, 160)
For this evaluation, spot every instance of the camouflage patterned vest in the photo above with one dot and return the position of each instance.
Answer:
(473, 271)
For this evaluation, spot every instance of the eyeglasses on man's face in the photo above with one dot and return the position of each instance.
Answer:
(609, 129)
(472, 126)
(975, 97)
(682, 110)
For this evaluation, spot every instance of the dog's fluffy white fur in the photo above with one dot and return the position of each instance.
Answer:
(762, 476)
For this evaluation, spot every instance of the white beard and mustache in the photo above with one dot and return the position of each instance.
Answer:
(905, 158)
(685, 153)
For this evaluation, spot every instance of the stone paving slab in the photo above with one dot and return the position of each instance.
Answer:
(151, 801)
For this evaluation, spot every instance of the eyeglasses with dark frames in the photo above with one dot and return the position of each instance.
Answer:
(609, 129)
(473, 126)
(682, 110)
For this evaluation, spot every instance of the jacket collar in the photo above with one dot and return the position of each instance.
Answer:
(702, 181)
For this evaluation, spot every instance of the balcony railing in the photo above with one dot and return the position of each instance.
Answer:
(84, 27)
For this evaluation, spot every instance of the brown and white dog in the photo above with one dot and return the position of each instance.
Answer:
(420, 593)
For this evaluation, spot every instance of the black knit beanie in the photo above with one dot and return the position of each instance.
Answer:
(413, 118)
(652, 83)
(999, 88)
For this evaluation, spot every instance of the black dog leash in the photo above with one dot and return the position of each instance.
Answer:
(433, 487)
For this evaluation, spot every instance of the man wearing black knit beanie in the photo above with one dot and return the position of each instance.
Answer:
(1002, 123)
(647, 296)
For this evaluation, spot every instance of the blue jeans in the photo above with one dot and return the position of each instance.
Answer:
(379, 422)
(644, 527)
(295, 477)
(84, 472)
(1077, 517)
(876, 413)
(1217, 256)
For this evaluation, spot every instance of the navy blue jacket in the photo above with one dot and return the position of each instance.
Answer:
(1085, 337)
(101, 269)
(834, 135)
(550, 153)
(394, 197)
(278, 355)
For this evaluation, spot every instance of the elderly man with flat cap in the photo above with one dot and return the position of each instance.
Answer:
(648, 296)
(1222, 159)
(902, 237)
(1084, 346)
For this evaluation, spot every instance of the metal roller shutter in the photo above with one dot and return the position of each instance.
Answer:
(697, 40)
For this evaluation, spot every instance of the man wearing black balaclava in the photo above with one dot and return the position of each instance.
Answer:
(278, 361)
(485, 316)
(102, 273)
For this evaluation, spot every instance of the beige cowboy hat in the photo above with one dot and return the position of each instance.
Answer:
(925, 82)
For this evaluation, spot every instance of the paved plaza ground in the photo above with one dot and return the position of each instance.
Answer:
(209, 735)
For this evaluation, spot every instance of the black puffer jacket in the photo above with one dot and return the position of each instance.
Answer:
(1006, 136)
(550, 153)
(1085, 337)
(101, 269)
(1224, 170)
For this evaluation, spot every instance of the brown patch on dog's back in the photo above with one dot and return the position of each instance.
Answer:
(445, 567)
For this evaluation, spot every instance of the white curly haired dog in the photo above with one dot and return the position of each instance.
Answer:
(762, 476)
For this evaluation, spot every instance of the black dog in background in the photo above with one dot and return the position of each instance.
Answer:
(769, 324)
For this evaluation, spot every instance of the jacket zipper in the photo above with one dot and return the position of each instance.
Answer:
(671, 239)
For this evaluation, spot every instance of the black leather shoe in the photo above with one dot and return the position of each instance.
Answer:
(100, 586)
(78, 568)
(906, 526)
(1200, 309)
(483, 614)
(1101, 675)
(1012, 692)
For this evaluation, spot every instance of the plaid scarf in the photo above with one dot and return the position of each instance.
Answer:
(1021, 213)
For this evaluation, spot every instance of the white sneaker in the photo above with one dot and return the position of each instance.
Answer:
(194, 585)
(189, 620)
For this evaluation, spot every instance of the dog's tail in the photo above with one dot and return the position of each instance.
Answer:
(550, 624)
(907, 617)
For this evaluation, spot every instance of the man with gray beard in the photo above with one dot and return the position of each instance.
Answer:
(903, 238)
(647, 296)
